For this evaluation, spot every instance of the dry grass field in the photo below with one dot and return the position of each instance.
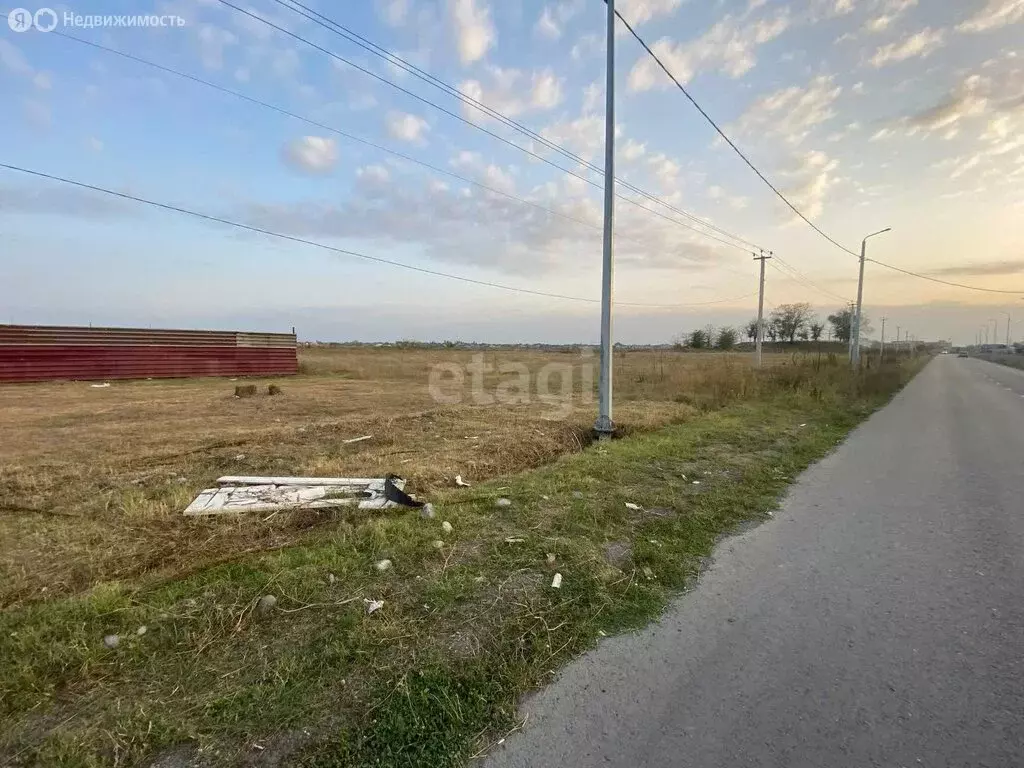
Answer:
(93, 480)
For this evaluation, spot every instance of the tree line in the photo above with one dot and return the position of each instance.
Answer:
(787, 323)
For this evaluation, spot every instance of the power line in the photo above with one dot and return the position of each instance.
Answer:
(729, 141)
(344, 134)
(393, 58)
(798, 275)
(470, 123)
(315, 244)
(943, 282)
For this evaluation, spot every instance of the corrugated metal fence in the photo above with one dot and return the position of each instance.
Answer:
(46, 352)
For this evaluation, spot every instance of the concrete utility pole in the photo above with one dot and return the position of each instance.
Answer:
(849, 331)
(881, 353)
(855, 355)
(995, 329)
(986, 333)
(1007, 328)
(604, 426)
(897, 341)
(760, 311)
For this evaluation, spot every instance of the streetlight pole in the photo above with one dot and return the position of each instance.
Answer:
(1007, 328)
(855, 354)
(995, 329)
(604, 425)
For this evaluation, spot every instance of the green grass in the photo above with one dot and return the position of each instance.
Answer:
(432, 678)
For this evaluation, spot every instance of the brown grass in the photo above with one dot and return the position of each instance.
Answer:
(93, 481)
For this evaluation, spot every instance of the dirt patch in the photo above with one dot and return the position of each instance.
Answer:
(618, 553)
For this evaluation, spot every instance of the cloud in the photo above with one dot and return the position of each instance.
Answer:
(469, 227)
(474, 30)
(922, 44)
(586, 46)
(813, 177)
(406, 127)
(638, 12)
(393, 12)
(63, 201)
(792, 112)
(546, 26)
(1009, 267)
(508, 92)
(584, 135)
(729, 47)
(312, 154)
(592, 96)
(995, 14)
(632, 150)
(891, 11)
(213, 41)
(94, 144)
(13, 60)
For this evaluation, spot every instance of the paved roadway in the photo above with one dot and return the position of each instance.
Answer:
(878, 620)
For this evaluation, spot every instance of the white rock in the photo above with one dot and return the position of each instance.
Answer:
(240, 457)
(372, 606)
(438, 544)
(632, 506)
(331, 578)
(503, 503)
(141, 630)
(427, 511)
(547, 498)
(382, 565)
(556, 583)
(446, 527)
(266, 603)
(111, 641)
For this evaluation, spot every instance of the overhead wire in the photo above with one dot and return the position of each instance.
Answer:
(343, 251)
(460, 118)
(775, 189)
(729, 141)
(394, 59)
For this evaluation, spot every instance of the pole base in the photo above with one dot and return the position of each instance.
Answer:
(604, 428)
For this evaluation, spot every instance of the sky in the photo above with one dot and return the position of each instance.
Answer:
(866, 114)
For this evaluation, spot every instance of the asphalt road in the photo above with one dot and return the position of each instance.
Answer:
(877, 620)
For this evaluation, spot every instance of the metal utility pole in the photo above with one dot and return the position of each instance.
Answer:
(604, 426)
(760, 311)
(855, 355)
(995, 329)
(897, 341)
(1007, 328)
(986, 333)
(881, 354)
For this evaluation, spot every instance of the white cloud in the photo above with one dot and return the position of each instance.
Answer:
(922, 44)
(406, 127)
(474, 30)
(632, 150)
(792, 112)
(94, 144)
(859, 89)
(592, 96)
(584, 135)
(638, 12)
(313, 154)
(588, 45)
(891, 11)
(393, 12)
(729, 46)
(42, 81)
(995, 14)
(509, 93)
(813, 177)
(213, 42)
(14, 60)
(546, 25)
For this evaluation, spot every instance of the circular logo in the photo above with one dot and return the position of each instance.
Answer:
(45, 19)
(20, 20)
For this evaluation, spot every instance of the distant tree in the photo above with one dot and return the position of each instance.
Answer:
(790, 319)
(727, 338)
(771, 330)
(817, 328)
(804, 334)
(698, 339)
(750, 329)
(841, 322)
